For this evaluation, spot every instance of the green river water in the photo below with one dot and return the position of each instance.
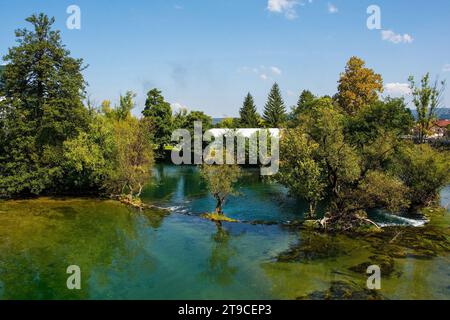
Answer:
(125, 253)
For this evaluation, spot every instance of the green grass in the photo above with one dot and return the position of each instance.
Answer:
(218, 217)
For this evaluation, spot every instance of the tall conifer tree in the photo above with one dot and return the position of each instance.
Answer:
(274, 111)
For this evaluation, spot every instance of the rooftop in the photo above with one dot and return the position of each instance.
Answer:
(442, 123)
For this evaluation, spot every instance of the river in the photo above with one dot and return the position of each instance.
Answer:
(124, 253)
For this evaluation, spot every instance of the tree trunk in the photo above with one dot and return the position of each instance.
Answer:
(312, 210)
(219, 205)
(140, 190)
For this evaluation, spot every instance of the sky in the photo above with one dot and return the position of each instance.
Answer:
(207, 54)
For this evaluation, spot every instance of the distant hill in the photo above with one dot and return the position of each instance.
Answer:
(442, 113)
(217, 120)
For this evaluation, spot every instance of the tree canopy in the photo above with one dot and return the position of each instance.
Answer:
(160, 113)
(274, 112)
(358, 87)
(249, 114)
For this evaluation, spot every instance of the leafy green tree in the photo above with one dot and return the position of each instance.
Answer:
(126, 104)
(89, 157)
(199, 116)
(320, 161)
(389, 116)
(180, 119)
(160, 113)
(134, 157)
(427, 99)
(424, 170)
(304, 103)
(249, 114)
(299, 170)
(358, 87)
(229, 123)
(274, 111)
(43, 88)
(381, 189)
(221, 181)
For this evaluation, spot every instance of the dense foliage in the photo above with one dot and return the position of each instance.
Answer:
(160, 113)
(43, 89)
(357, 156)
(51, 143)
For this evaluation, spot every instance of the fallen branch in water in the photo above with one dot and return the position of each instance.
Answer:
(396, 236)
(136, 203)
(371, 222)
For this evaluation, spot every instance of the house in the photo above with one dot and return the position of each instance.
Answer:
(440, 129)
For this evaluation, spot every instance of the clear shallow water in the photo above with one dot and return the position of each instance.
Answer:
(182, 189)
(127, 254)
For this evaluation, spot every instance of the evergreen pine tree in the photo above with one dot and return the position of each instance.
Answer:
(274, 111)
(248, 113)
(43, 89)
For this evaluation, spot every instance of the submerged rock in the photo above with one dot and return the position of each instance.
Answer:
(341, 290)
(386, 264)
(313, 246)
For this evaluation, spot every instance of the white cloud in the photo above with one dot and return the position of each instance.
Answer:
(178, 7)
(286, 7)
(332, 8)
(389, 35)
(397, 89)
(262, 72)
(291, 93)
(275, 70)
(446, 68)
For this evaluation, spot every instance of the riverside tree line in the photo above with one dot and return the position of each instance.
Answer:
(348, 151)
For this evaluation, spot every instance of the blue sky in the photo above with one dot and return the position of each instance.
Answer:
(207, 54)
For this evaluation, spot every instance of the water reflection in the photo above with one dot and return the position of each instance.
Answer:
(220, 269)
(40, 240)
(182, 189)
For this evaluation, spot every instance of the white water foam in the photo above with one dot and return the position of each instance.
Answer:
(407, 221)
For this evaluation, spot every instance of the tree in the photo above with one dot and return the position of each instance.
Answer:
(424, 170)
(319, 160)
(199, 116)
(89, 157)
(160, 112)
(299, 170)
(126, 104)
(381, 117)
(274, 111)
(427, 99)
(248, 113)
(304, 103)
(358, 87)
(43, 88)
(180, 119)
(221, 181)
(133, 158)
(228, 123)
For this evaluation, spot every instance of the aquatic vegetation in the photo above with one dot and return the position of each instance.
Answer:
(217, 217)
(340, 290)
(155, 254)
